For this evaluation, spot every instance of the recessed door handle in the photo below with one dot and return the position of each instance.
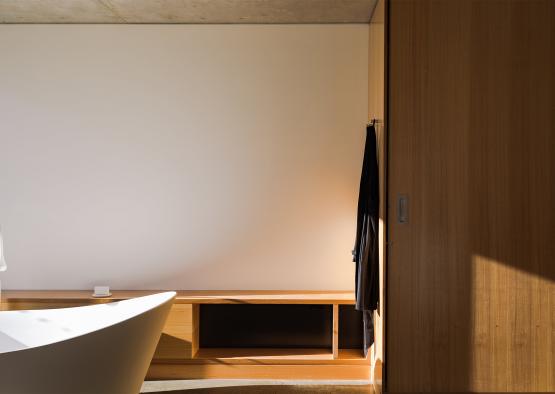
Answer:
(402, 208)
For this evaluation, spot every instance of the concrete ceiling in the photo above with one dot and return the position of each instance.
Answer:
(186, 11)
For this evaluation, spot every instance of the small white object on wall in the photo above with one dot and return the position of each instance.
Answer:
(102, 291)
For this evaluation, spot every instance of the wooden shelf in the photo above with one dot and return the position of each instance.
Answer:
(312, 370)
(189, 296)
(178, 355)
(351, 354)
(277, 353)
(277, 356)
(264, 354)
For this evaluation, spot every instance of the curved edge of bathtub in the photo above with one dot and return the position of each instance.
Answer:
(113, 359)
(30, 329)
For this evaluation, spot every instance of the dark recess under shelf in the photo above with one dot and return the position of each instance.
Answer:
(350, 327)
(265, 326)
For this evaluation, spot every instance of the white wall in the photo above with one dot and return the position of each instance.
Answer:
(186, 157)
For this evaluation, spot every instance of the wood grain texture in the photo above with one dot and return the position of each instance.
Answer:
(177, 337)
(335, 332)
(14, 305)
(260, 371)
(191, 296)
(178, 354)
(272, 356)
(471, 277)
(195, 341)
(376, 110)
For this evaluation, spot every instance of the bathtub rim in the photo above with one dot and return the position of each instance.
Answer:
(165, 297)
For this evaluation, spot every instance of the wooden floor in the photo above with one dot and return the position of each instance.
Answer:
(255, 387)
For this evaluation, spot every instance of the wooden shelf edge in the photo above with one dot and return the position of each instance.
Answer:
(272, 356)
(189, 296)
(315, 354)
(257, 371)
(267, 362)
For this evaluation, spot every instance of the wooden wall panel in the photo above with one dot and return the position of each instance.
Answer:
(471, 277)
(376, 103)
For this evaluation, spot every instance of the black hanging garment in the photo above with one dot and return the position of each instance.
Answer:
(365, 253)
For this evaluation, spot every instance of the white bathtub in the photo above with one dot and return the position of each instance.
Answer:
(97, 349)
